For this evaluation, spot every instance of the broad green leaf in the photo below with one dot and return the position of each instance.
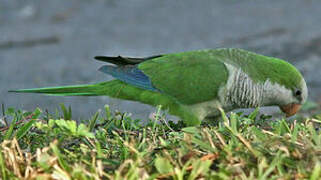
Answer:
(191, 130)
(163, 165)
(82, 130)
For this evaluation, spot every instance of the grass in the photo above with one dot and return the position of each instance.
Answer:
(39, 145)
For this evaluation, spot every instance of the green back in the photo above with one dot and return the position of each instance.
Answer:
(189, 77)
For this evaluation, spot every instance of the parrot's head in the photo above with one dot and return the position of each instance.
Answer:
(290, 90)
(297, 96)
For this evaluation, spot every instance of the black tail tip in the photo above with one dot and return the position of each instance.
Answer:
(100, 58)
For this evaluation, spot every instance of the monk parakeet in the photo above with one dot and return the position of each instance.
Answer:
(194, 85)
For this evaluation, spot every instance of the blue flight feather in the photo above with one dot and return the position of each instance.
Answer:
(129, 74)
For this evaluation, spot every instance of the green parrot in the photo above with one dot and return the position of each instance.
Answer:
(195, 85)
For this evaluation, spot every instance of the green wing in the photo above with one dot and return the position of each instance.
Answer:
(189, 77)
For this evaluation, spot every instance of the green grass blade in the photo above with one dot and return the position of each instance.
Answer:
(66, 113)
(9, 132)
(24, 129)
(93, 121)
(61, 161)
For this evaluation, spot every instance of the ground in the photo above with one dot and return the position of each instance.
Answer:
(40, 145)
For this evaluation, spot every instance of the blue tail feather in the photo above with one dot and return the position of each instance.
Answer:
(129, 74)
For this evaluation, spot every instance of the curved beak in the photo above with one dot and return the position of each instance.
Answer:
(290, 109)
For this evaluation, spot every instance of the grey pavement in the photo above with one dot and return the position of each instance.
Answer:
(53, 42)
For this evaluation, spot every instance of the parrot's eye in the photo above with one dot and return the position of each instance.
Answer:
(298, 93)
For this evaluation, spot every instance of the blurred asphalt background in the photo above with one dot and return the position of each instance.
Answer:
(53, 42)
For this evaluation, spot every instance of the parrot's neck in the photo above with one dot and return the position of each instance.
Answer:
(242, 92)
(275, 94)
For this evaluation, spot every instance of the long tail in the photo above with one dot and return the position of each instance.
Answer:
(121, 90)
(74, 90)
(114, 88)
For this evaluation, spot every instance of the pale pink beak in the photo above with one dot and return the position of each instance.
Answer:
(290, 109)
